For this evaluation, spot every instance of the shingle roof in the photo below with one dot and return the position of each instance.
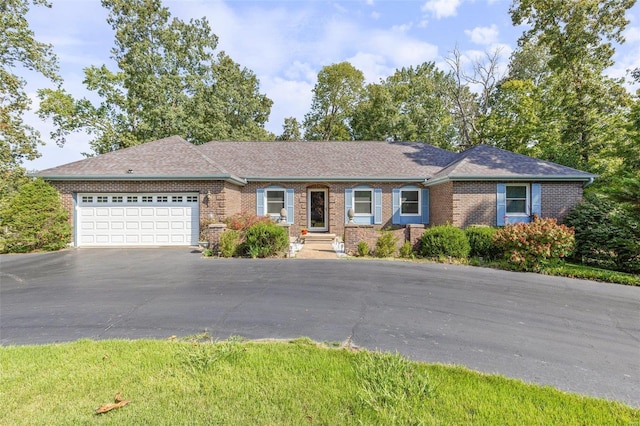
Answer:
(488, 162)
(330, 160)
(168, 157)
(174, 158)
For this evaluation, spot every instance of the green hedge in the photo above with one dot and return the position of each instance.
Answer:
(444, 241)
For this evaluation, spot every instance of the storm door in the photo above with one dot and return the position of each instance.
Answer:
(317, 210)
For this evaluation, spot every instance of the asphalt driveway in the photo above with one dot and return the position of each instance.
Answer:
(576, 335)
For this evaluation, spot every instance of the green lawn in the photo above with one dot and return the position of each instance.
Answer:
(297, 382)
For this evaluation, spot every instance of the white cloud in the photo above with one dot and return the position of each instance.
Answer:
(442, 8)
(402, 28)
(483, 35)
(375, 15)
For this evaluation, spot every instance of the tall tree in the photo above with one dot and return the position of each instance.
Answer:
(291, 130)
(337, 92)
(578, 35)
(169, 81)
(19, 49)
(410, 105)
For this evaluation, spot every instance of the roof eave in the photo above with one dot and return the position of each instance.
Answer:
(512, 178)
(133, 177)
(412, 179)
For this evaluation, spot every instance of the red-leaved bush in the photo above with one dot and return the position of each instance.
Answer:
(530, 245)
(244, 221)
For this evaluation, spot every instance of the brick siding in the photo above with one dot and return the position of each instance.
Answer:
(559, 198)
(441, 204)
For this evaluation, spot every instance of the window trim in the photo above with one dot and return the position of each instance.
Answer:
(371, 202)
(527, 211)
(419, 202)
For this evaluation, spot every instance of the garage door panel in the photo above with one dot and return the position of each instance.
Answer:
(149, 219)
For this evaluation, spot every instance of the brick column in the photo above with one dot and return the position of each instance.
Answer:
(414, 232)
(215, 231)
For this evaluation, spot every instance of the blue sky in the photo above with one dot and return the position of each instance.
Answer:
(286, 43)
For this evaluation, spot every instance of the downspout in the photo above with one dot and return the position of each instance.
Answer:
(591, 179)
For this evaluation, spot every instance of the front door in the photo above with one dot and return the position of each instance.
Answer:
(317, 210)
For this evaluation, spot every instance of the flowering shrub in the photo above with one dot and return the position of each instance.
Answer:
(244, 221)
(529, 245)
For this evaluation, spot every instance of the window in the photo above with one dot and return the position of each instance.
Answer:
(176, 199)
(275, 201)
(192, 199)
(517, 199)
(132, 199)
(162, 199)
(102, 199)
(410, 202)
(87, 199)
(147, 199)
(363, 202)
(116, 199)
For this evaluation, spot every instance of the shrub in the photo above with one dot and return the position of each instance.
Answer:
(528, 246)
(481, 242)
(606, 235)
(406, 251)
(444, 241)
(265, 239)
(244, 221)
(363, 249)
(34, 219)
(229, 242)
(386, 244)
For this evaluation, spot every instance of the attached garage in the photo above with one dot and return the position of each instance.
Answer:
(137, 219)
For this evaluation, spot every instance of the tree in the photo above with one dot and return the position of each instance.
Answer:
(291, 130)
(335, 96)
(34, 219)
(169, 81)
(578, 36)
(410, 105)
(19, 48)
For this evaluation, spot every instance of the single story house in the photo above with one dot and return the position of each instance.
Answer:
(159, 193)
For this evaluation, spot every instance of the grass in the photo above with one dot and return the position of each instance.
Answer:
(288, 383)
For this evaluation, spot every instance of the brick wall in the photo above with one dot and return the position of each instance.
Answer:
(441, 204)
(474, 203)
(336, 218)
(209, 208)
(558, 198)
(353, 234)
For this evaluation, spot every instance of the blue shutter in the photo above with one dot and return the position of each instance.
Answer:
(348, 203)
(536, 199)
(288, 204)
(501, 203)
(425, 206)
(260, 202)
(377, 203)
(396, 206)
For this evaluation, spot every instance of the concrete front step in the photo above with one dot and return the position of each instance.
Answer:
(316, 236)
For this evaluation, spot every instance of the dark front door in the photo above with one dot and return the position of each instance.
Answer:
(317, 210)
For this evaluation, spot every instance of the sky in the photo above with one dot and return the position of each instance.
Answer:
(286, 43)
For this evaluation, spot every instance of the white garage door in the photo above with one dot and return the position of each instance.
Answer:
(137, 219)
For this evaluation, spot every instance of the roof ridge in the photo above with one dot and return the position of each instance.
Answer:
(209, 160)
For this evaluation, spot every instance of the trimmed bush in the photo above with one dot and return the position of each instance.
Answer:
(265, 239)
(363, 249)
(386, 244)
(444, 241)
(528, 246)
(406, 251)
(607, 236)
(481, 242)
(229, 242)
(34, 219)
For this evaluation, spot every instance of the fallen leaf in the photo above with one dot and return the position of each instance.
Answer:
(120, 402)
